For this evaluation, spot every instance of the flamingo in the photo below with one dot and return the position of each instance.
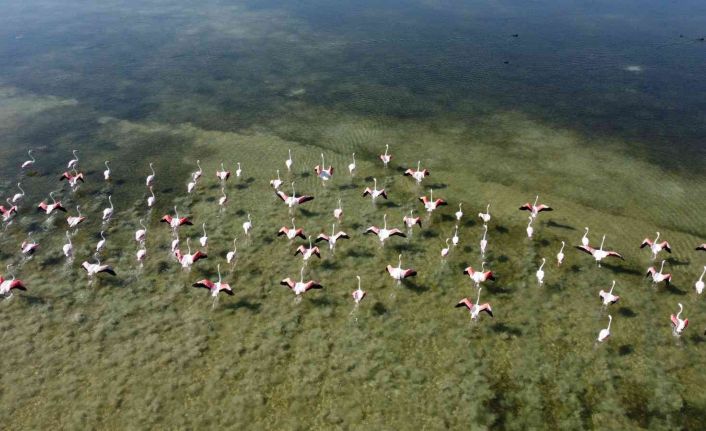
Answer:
(335, 236)
(231, 255)
(386, 157)
(239, 171)
(247, 226)
(605, 333)
(96, 268)
(176, 221)
(217, 287)
(338, 212)
(101, 244)
(277, 182)
(288, 163)
(300, 287)
(141, 234)
(459, 213)
(410, 220)
(560, 255)
(679, 324)
(445, 251)
(18, 196)
(607, 297)
(72, 178)
(418, 174)
(374, 193)
(292, 201)
(175, 243)
(108, 212)
(68, 248)
(430, 204)
(656, 246)
(186, 260)
(322, 172)
(191, 186)
(699, 285)
(399, 274)
(481, 276)
(74, 221)
(28, 247)
(49, 208)
(486, 215)
(308, 252)
(658, 277)
(384, 233)
(358, 294)
(8, 285)
(540, 272)
(599, 254)
(530, 229)
(351, 166)
(151, 199)
(150, 178)
(454, 239)
(584, 238)
(223, 199)
(106, 172)
(291, 233)
(535, 209)
(223, 175)
(701, 247)
(73, 163)
(484, 241)
(8, 212)
(141, 254)
(28, 163)
(204, 239)
(477, 308)
(197, 174)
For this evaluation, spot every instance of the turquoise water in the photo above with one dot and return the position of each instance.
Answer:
(597, 109)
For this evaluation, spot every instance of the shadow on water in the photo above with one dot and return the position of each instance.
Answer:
(33, 300)
(552, 223)
(502, 328)
(389, 204)
(244, 303)
(359, 253)
(328, 264)
(414, 287)
(470, 223)
(498, 290)
(673, 261)
(620, 269)
(502, 229)
(308, 214)
(674, 290)
(626, 312)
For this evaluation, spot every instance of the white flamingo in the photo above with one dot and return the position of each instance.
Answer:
(197, 174)
(584, 238)
(445, 251)
(607, 297)
(656, 246)
(459, 213)
(399, 274)
(276, 183)
(151, 199)
(288, 163)
(454, 239)
(204, 239)
(679, 324)
(239, 171)
(108, 212)
(231, 255)
(150, 178)
(599, 254)
(68, 248)
(18, 196)
(605, 333)
(658, 277)
(699, 285)
(374, 192)
(28, 163)
(484, 241)
(141, 234)
(386, 157)
(223, 199)
(101, 244)
(540, 272)
(530, 229)
(486, 215)
(351, 166)
(247, 226)
(560, 255)
(358, 294)
(477, 308)
(141, 254)
(73, 163)
(106, 172)
(338, 212)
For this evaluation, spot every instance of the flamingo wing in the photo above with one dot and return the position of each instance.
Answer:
(17, 284)
(65, 176)
(373, 229)
(397, 232)
(300, 233)
(282, 195)
(526, 207)
(342, 235)
(465, 302)
(59, 207)
(408, 173)
(646, 243)
(301, 249)
(205, 283)
(322, 237)
(487, 308)
(383, 193)
(199, 255)
(367, 192)
(226, 288)
(701, 247)
(316, 251)
(469, 271)
(667, 279)
(489, 275)
(288, 282)
(106, 269)
(283, 231)
(303, 199)
(424, 200)
(86, 266)
(409, 273)
(166, 219)
(313, 285)
(667, 247)
(674, 319)
(586, 249)
(543, 207)
(440, 202)
(185, 221)
(615, 254)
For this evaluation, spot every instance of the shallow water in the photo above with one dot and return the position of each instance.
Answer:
(596, 109)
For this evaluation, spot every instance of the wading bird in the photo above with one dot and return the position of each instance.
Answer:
(384, 233)
(475, 309)
(72, 178)
(445, 251)
(484, 241)
(399, 274)
(386, 157)
(540, 272)
(584, 238)
(204, 239)
(7, 286)
(358, 294)
(701, 247)
(186, 260)
(95, 268)
(306, 253)
(535, 209)
(338, 212)
(351, 166)
(419, 174)
(217, 287)
(599, 254)
(560, 255)
(28, 247)
(150, 178)
(607, 297)
(679, 324)
(176, 221)
(300, 287)
(231, 255)
(288, 163)
(141, 234)
(459, 213)
(28, 163)
(108, 212)
(106, 172)
(141, 254)
(276, 182)
(481, 276)
(223, 175)
(605, 332)
(8, 212)
(18, 196)
(699, 285)
(239, 171)
(486, 215)
(335, 236)
(198, 173)
(68, 248)
(101, 244)
(247, 226)
(322, 172)
(530, 229)
(374, 192)
(74, 221)
(658, 277)
(430, 204)
(291, 233)
(223, 199)
(454, 238)
(49, 208)
(411, 220)
(294, 200)
(656, 246)
(73, 163)
(151, 199)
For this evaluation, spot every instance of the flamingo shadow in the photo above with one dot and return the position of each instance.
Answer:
(470, 223)
(626, 349)
(33, 300)
(254, 307)
(627, 312)
(674, 290)
(438, 186)
(347, 187)
(502, 328)
(552, 223)
(676, 262)
(497, 290)
(621, 270)
(321, 301)
(414, 287)
(390, 204)
(359, 253)
(379, 309)
(308, 214)
(501, 229)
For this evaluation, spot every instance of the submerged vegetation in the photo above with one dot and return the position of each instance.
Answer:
(246, 84)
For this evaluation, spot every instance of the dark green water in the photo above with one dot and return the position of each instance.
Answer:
(597, 107)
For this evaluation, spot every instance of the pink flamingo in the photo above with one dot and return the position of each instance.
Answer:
(481, 276)
(74, 221)
(49, 208)
(384, 233)
(656, 246)
(358, 294)
(300, 287)
(215, 288)
(307, 253)
(430, 204)
(535, 209)
(291, 233)
(410, 220)
(679, 324)
(8, 285)
(599, 254)
(96, 268)
(335, 236)
(186, 260)
(475, 309)
(398, 273)
(658, 277)
(374, 192)
(176, 221)
(386, 157)
(419, 174)
(322, 172)
(607, 297)
(292, 201)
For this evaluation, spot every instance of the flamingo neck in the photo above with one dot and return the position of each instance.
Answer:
(610, 320)
(681, 308)
(478, 297)
(661, 268)
(602, 242)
